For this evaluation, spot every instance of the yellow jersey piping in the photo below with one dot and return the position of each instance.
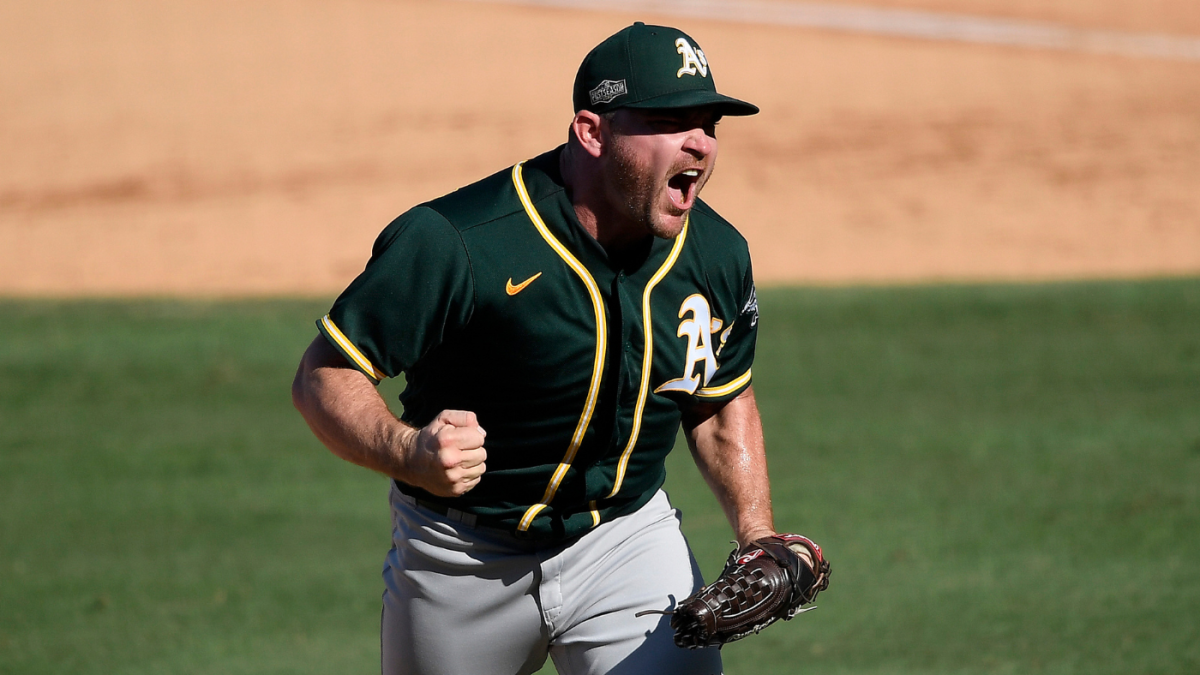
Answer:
(647, 357)
(729, 388)
(350, 350)
(597, 368)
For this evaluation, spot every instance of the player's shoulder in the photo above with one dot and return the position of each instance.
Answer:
(446, 223)
(482, 201)
(491, 199)
(715, 235)
(418, 225)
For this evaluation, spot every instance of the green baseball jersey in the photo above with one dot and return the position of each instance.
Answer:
(494, 299)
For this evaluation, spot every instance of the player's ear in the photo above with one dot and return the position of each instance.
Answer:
(586, 129)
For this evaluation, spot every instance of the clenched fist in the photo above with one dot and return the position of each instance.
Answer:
(446, 457)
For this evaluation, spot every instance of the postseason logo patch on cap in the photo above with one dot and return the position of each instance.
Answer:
(608, 90)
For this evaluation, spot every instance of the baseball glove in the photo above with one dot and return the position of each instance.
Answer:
(763, 582)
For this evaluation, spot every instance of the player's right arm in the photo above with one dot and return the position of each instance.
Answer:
(345, 411)
(416, 289)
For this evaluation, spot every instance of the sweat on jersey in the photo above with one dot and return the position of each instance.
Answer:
(494, 299)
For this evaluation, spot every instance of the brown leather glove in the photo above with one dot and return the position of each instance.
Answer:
(763, 582)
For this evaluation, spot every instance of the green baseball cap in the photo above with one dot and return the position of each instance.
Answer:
(650, 67)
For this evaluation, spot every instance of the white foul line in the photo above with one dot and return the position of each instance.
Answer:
(905, 23)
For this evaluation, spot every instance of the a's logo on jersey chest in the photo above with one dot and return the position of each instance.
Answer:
(698, 326)
(693, 59)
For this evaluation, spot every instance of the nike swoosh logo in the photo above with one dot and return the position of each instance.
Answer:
(513, 290)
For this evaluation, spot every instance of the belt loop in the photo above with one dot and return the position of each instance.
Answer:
(468, 519)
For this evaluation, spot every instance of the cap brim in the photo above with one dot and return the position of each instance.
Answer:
(725, 105)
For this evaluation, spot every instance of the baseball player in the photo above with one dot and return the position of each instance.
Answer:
(556, 323)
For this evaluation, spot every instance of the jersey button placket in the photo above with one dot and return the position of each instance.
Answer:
(624, 329)
(623, 365)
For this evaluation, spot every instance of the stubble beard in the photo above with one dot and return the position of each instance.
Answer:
(640, 193)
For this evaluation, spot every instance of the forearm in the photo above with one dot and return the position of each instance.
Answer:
(348, 415)
(729, 451)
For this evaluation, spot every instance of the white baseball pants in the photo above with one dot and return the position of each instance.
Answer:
(464, 601)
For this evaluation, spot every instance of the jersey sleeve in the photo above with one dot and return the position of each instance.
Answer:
(733, 343)
(416, 290)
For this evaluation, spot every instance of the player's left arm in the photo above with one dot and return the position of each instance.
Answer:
(726, 441)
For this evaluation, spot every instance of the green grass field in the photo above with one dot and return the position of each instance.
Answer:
(1005, 478)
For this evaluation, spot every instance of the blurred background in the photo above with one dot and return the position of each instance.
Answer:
(232, 148)
(976, 225)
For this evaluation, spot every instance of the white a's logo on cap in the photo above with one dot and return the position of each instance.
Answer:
(693, 59)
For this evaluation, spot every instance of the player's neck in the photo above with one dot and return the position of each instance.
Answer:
(612, 229)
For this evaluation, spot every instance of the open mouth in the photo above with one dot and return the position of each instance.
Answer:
(681, 188)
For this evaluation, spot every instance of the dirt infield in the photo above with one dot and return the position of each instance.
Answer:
(233, 147)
